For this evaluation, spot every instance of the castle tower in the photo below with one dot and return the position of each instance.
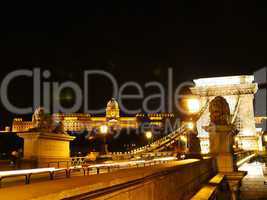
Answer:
(112, 110)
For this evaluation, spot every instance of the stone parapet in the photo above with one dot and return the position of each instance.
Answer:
(172, 181)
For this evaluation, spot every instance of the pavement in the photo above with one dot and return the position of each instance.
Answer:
(42, 188)
(253, 187)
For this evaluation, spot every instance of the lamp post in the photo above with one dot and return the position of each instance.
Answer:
(149, 136)
(192, 108)
(104, 131)
(193, 105)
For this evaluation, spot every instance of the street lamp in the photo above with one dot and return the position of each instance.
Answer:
(149, 136)
(104, 131)
(192, 105)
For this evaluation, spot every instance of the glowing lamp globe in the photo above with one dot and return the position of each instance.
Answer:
(193, 105)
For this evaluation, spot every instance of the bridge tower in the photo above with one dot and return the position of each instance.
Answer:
(239, 92)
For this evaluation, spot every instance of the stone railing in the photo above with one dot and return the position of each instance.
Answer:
(243, 156)
(173, 180)
(72, 162)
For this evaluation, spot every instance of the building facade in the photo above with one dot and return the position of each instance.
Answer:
(19, 125)
(77, 122)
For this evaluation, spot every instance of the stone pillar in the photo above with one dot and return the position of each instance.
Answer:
(40, 148)
(221, 146)
(221, 135)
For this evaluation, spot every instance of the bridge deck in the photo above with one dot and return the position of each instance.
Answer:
(73, 186)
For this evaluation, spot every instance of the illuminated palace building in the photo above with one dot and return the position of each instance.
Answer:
(76, 122)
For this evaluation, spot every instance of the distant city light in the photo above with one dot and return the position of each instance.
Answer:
(104, 129)
(190, 125)
(149, 134)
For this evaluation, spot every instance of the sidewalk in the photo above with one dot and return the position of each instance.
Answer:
(253, 187)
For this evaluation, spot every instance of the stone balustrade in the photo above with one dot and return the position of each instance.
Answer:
(172, 181)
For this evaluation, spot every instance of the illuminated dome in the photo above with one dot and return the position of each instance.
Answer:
(112, 110)
(113, 104)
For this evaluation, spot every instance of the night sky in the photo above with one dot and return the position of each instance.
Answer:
(134, 41)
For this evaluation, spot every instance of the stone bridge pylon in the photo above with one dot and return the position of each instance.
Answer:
(239, 92)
